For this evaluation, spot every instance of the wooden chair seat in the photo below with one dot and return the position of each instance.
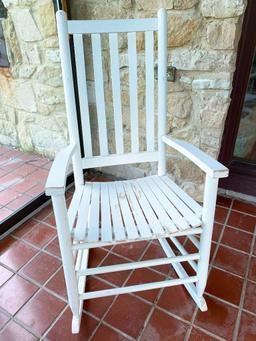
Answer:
(147, 208)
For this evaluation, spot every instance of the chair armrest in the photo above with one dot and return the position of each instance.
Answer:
(56, 181)
(209, 165)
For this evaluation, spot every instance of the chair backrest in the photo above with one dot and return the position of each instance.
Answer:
(113, 28)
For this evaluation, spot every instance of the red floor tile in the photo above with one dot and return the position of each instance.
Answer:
(162, 327)
(220, 214)
(25, 170)
(41, 267)
(40, 235)
(198, 335)
(10, 179)
(39, 175)
(19, 203)
(118, 277)
(142, 276)
(156, 251)
(242, 221)
(8, 195)
(40, 311)
(36, 190)
(237, 239)
(96, 256)
(224, 201)
(132, 251)
(225, 285)
(25, 228)
(231, 260)
(6, 243)
(250, 297)
(61, 330)
(24, 185)
(3, 319)
(15, 332)
(244, 207)
(57, 284)
(176, 300)
(53, 247)
(15, 293)
(106, 333)
(128, 314)
(217, 229)
(252, 269)
(50, 220)
(4, 275)
(17, 255)
(219, 319)
(97, 306)
(41, 215)
(247, 330)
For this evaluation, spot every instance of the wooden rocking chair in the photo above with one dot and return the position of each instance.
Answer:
(154, 207)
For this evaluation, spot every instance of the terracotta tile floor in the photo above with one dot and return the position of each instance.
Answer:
(22, 178)
(33, 300)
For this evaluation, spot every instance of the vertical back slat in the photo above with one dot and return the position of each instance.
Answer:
(132, 61)
(162, 88)
(149, 55)
(82, 91)
(115, 77)
(99, 92)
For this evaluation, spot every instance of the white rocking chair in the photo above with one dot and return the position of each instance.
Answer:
(148, 208)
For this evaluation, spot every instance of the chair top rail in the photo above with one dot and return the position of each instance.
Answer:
(112, 26)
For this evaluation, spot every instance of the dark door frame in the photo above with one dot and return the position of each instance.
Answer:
(242, 176)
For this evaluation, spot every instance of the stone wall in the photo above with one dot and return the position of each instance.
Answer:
(202, 40)
(32, 111)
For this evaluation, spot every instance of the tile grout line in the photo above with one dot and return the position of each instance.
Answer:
(242, 298)
(115, 298)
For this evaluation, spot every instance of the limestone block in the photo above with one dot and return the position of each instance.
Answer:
(217, 83)
(183, 168)
(26, 70)
(31, 54)
(9, 3)
(221, 34)
(181, 29)
(153, 4)
(196, 59)
(211, 137)
(49, 75)
(212, 108)
(48, 95)
(52, 55)
(184, 4)
(23, 96)
(179, 104)
(125, 4)
(222, 8)
(24, 24)
(51, 42)
(12, 43)
(44, 17)
(8, 133)
(195, 190)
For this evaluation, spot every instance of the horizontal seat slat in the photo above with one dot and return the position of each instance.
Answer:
(131, 210)
(112, 26)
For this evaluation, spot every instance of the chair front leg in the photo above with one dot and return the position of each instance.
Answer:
(210, 195)
(60, 211)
